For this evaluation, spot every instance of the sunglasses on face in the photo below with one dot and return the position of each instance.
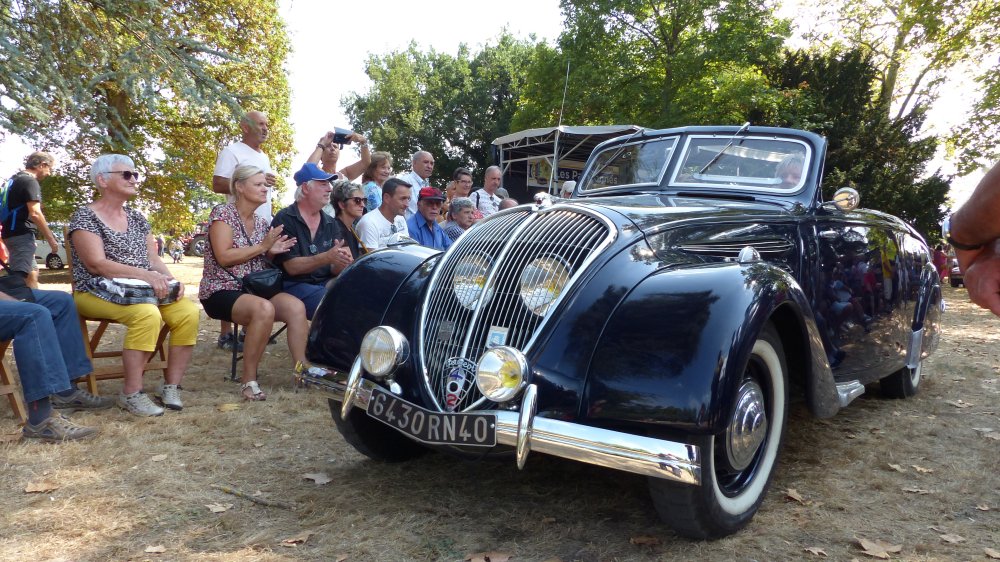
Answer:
(356, 200)
(128, 175)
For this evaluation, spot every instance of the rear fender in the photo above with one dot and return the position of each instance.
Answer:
(672, 353)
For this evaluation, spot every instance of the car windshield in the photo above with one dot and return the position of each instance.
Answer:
(758, 163)
(639, 163)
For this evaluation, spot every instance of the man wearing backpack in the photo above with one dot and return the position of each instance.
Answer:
(21, 215)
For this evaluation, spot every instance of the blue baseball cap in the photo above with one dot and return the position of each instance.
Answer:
(311, 171)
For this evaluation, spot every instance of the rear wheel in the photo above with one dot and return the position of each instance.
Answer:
(903, 383)
(53, 261)
(197, 247)
(738, 463)
(374, 439)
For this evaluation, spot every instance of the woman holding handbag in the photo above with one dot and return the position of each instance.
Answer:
(237, 283)
(114, 260)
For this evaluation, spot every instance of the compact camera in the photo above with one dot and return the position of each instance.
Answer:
(342, 136)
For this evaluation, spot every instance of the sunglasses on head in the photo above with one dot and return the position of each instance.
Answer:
(127, 175)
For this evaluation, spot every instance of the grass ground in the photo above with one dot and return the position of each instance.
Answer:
(920, 474)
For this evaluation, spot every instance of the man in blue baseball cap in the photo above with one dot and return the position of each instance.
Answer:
(319, 253)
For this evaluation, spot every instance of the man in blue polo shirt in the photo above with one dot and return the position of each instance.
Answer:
(423, 226)
(319, 253)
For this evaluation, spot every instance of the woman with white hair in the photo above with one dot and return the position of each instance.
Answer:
(461, 217)
(109, 242)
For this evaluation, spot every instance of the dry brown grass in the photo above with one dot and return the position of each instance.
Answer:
(147, 482)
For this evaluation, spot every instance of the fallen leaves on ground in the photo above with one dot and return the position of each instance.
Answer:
(920, 491)
(878, 549)
(218, 507)
(488, 557)
(319, 478)
(952, 538)
(644, 540)
(158, 549)
(994, 554)
(547, 520)
(301, 538)
(227, 407)
(922, 470)
(793, 494)
(897, 467)
(158, 458)
(959, 403)
(816, 550)
(41, 486)
(983, 507)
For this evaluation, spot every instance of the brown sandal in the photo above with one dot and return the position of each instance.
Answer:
(256, 394)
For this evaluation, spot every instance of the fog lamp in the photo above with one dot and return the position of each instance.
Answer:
(382, 350)
(501, 372)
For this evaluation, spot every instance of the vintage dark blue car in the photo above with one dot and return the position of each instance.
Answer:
(658, 322)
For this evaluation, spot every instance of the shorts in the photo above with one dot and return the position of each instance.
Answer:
(21, 249)
(219, 305)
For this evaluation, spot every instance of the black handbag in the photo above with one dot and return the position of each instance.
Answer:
(264, 283)
(13, 285)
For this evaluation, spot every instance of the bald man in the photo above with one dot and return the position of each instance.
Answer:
(254, 130)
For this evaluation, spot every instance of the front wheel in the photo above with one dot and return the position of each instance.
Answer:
(903, 383)
(53, 261)
(738, 463)
(374, 439)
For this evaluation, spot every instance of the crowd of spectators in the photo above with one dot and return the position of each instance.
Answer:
(332, 222)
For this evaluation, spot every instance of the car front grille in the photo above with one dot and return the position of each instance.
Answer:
(452, 337)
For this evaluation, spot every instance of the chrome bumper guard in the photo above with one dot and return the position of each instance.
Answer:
(526, 432)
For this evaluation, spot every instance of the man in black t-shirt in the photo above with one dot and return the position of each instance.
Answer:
(24, 199)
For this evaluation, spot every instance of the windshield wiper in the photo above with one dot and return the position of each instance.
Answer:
(616, 154)
(725, 148)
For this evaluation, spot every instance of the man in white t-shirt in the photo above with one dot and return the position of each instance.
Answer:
(486, 199)
(421, 168)
(387, 224)
(253, 125)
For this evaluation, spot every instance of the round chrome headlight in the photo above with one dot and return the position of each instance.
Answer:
(500, 373)
(469, 280)
(542, 281)
(382, 350)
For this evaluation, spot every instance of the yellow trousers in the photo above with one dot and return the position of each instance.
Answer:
(142, 321)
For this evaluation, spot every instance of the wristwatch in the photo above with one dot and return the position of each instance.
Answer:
(946, 232)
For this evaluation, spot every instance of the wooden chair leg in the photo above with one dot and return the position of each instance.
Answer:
(9, 387)
(90, 378)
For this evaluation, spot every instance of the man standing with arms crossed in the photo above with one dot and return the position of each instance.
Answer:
(421, 168)
(24, 199)
(254, 129)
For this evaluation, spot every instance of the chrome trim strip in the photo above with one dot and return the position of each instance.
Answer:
(659, 458)
(351, 390)
(916, 348)
(848, 391)
(524, 424)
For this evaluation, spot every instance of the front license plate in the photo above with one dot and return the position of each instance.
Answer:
(438, 428)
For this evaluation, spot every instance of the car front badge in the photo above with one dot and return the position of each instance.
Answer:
(459, 371)
(497, 336)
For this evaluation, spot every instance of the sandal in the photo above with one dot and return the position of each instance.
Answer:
(256, 394)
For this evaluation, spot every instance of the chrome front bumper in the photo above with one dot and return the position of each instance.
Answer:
(526, 432)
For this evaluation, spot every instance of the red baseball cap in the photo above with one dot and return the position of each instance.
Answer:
(430, 194)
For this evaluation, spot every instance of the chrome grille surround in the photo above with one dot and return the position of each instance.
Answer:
(731, 248)
(450, 334)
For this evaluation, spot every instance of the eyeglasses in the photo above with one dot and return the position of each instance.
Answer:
(127, 175)
(356, 200)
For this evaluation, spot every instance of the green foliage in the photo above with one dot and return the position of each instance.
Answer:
(978, 139)
(658, 64)
(882, 156)
(163, 81)
(450, 106)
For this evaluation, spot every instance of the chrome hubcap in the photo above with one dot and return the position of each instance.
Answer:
(748, 427)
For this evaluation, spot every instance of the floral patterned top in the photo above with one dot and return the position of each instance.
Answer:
(128, 248)
(214, 277)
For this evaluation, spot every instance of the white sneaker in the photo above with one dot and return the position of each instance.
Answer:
(170, 395)
(139, 404)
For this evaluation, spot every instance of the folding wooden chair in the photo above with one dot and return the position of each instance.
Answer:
(10, 387)
(92, 342)
(237, 357)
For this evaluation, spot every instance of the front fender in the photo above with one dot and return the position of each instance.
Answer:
(383, 287)
(672, 353)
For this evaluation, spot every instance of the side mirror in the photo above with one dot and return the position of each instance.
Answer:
(845, 199)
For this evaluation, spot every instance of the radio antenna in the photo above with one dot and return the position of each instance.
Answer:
(565, 87)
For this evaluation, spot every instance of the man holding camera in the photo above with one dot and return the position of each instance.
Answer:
(327, 152)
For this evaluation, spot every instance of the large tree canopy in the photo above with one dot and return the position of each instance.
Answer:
(450, 106)
(161, 80)
(656, 63)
